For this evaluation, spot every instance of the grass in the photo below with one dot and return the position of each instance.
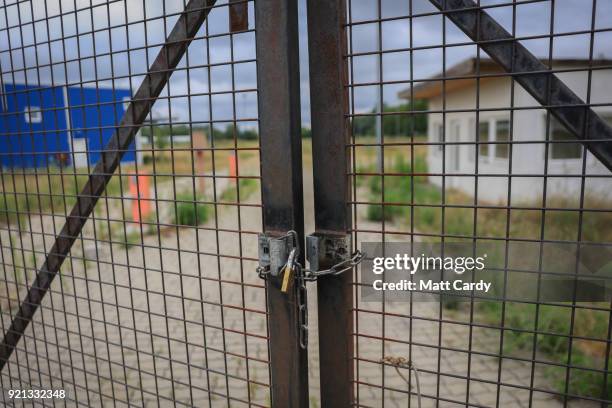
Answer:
(128, 240)
(409, 187)
(400, 191)
(189, 212)
(552, 342)
(246, 186)
(181, 161)
(405, 188)
(26, 191)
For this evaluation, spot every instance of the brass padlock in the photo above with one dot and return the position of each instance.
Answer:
(288, 271)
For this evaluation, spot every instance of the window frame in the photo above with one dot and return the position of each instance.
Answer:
(497, 121)
(491, 143)
(484, 157)
(32, 119)
(439, 129)
(552, 144)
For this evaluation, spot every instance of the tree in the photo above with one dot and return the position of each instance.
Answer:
(400, 124)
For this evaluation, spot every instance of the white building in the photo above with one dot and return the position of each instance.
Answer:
(462, 123)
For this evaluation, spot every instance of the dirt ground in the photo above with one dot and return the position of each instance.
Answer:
(180, 321)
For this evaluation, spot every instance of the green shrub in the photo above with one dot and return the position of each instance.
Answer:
(584, 383)
(247, 187)
(555, 320)
(189, 212)
(398, 191)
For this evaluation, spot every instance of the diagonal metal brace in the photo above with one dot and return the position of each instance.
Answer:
(156, 79)
(579, 119)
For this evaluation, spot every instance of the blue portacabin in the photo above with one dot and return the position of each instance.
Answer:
(59, 125)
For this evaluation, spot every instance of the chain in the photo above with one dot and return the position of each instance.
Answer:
(337, 269)
(302, 300)
(303, 275)
(263, 271)
(310, 275)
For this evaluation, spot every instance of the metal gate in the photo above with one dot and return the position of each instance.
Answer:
(156, 181)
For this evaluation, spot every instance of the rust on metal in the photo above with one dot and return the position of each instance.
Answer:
(239, 15)
(282, 196)
(330, 136)
(139, 108)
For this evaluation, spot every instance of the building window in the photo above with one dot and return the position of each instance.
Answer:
(32, 114)
(483, 137)
(497, 133)
(559, 148)
(440, 130)
(502, 134)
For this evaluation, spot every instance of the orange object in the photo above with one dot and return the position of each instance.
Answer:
(233, 167)
(139, 190)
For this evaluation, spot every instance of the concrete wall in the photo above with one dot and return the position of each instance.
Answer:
(528, 160)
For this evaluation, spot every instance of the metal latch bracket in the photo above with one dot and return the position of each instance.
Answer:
(274, 252)
(325, 250)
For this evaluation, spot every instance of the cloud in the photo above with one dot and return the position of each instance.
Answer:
(59, 43)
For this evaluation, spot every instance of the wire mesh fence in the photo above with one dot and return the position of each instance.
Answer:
(152, 305)
(146, 146)
(452, 141)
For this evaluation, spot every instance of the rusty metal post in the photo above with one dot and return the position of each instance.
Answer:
(330, 135)
(239, 15)
(282, 198)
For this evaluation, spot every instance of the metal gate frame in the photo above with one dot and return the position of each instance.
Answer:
(282, 197)
(331, 141)
(278, 99)
(280, 126)
(327, 44)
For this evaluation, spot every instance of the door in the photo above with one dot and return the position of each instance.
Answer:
(79, 151)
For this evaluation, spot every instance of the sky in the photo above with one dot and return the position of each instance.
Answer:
(97, 27)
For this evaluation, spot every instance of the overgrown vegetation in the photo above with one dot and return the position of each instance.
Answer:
(406, 188)
(25, 191)
(560, 224)
(552, 342)
(398, 193)
(246, 186)
(189, 212)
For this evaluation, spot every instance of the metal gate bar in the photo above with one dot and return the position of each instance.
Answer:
(355, 338)
(444, 362)
(331, 157)
(139, 108)
(282, 195)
